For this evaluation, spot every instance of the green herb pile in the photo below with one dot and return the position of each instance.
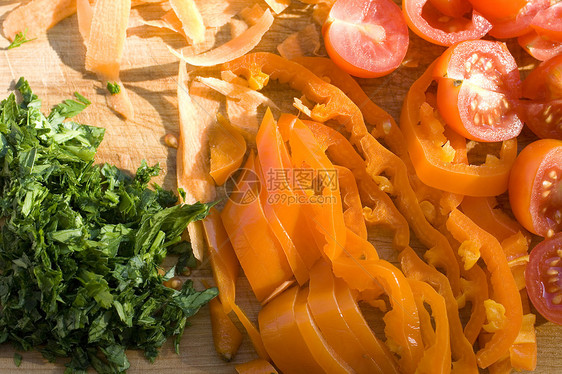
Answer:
(81, 244)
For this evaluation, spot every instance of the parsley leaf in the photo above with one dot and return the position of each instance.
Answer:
(19, 39)
(113, 88)
(81, 244)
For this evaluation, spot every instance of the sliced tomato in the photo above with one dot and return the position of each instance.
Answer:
(429, 23)
(498, 9)
(535, 191)
(366, 38)
(543, 278)
(539, 47)
(543, 112)
(452, 8)
(520, 24)
(478, 82)
(548, 22)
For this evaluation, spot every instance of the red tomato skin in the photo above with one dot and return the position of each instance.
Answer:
(525, 182)
(498, 9)
(474, 28)
(363, 60)
(521, 23)
(543, 280)
(548, 22)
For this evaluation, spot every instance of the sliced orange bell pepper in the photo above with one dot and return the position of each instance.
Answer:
(402, 325)
(353, 210)
(226, 337)
(282, 338)
(437, 356)
(475, 290)
(379, 208)
(504, 288)
(227, 148)
(258, 250)
(257, 366)
(324, 307)
(224, 264)
(288, 219)
(433, 156)
(464, 359)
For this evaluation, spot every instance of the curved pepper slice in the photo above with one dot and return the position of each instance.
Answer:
(437, 355)
(224, 264)
(353, 210)
(379, 208)
(432, 155)
(324, 306)
(402, 325)
(257, 366)
(461, 348)
(227, 147)
(504, 287)
(288, 219)
(258, 250)
(282, 338)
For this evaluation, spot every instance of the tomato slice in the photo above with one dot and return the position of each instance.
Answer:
(477, 84)
(535, 191)
(375, 29)
(548, 22)
(539, 47)
(498, 9)
(452, 8)
(543, 113)
(519, 24)
(429, 23)
(543, 279)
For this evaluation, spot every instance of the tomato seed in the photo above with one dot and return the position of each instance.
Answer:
(557, 299)
(552, 174)
(550, 234)
(546, 184)
(552, 272)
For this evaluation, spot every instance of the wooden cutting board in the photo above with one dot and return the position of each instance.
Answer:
(54, 66)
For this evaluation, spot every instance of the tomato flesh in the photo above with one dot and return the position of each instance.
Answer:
(548, 22)
(540, 48)
(367, 39)
(535, 191)
(477, 84)
(520, 24)
(452, 8)
(543, 278)
(429, 23)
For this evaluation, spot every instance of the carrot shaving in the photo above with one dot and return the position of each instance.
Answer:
(252, 15)
(306, 42)
(84, 13)
(37, 17)
(237, 27)
(320, 12)
(191, 19)
(278, 5)
(168, 21)
(217, 13)
(235, 48)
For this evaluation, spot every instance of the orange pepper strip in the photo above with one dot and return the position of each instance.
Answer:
(475, 290)
(254, 243)
(437, 356)
(504, 286)
(379, 208)
(402, 325)
(353, 210)
(227, 148)
(226, 337)
(282, 338)
(415, 268)
(252, 331)
(224, 264)
(440, 253)
(257, 366)
(324, 306)
(428, 150)
(323, 353)
(289, 220)
(351, 313)
(484, 212)
(516, 249)
(326, 214)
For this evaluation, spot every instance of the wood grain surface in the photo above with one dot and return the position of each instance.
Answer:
(54, 66)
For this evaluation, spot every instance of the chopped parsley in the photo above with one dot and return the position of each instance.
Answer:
(81, 244)
(19, 39)
(113, 88)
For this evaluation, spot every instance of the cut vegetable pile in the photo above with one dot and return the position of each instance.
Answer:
(308, 189)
